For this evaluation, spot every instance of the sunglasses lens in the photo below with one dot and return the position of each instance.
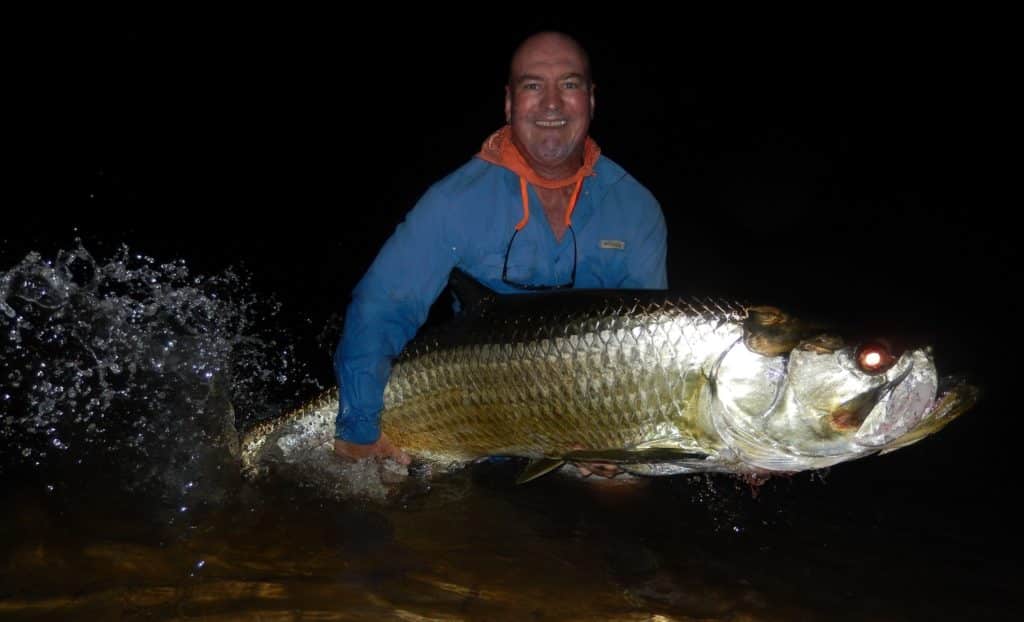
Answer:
(535, 288)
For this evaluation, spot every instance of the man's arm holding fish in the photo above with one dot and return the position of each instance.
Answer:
(388, 306)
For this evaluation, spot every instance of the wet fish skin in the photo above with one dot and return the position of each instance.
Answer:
(654, 382)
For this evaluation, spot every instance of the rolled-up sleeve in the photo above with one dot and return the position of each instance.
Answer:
(389, 304)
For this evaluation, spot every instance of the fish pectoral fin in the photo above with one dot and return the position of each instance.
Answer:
(539, 467)
(635, 456)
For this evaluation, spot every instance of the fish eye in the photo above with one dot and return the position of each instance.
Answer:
(875, 357)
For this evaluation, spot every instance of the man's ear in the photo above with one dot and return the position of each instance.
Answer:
(508, 104)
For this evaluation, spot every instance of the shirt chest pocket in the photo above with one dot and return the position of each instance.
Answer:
(605, 265)
(522, 262)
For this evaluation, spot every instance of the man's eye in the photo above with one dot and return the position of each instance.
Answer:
(532, 86)
(572, 85)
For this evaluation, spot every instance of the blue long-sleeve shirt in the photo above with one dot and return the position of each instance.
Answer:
(466, 220)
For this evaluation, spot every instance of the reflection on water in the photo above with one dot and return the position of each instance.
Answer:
(476, 547)
(139, 513)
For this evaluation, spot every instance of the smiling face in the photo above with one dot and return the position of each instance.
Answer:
(549, 102)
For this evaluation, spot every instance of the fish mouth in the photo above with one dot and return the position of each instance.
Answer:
(918, 406)
(956, 395)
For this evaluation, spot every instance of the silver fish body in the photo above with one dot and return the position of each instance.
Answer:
(656, 383)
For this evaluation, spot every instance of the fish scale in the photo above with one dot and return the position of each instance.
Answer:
(569, 402)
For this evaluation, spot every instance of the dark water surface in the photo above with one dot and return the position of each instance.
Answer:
(477, 548)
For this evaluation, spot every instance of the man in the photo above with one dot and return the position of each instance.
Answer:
(600, 229)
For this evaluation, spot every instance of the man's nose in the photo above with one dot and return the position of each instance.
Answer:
(552, 99)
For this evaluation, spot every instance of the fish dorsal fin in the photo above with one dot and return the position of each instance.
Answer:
(539, 467)
(469, 291)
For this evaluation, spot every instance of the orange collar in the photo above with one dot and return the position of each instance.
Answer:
(499, 149)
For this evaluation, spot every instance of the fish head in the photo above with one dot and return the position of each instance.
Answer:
(828, 400)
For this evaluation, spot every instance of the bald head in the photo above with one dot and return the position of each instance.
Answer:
(548, 41)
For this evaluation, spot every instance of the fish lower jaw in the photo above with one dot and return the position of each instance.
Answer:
(762, 461)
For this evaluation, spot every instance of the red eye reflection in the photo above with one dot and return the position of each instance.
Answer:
(875, 357)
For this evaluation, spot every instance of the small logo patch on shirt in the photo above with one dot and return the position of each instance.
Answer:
(618, 245)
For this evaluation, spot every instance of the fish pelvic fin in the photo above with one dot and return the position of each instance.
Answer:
(538, 468)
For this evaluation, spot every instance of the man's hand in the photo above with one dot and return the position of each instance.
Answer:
(601, 469)
(380, 449)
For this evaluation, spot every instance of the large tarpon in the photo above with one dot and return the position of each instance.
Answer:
(653, 382)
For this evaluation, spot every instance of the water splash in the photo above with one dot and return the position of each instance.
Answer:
(135, 362)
